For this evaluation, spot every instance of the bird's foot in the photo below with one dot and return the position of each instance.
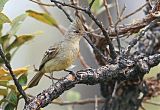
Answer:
(71, 72)
(35, 69)
(48, 76)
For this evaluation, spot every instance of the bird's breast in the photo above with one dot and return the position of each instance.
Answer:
(65, 58)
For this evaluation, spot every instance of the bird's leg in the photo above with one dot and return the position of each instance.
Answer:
(35, 69)
(51, 75)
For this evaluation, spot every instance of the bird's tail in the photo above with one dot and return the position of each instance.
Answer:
(35, 80)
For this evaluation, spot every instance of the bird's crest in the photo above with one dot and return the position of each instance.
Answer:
(76, 25)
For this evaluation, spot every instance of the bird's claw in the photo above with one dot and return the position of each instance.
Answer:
(71, 72)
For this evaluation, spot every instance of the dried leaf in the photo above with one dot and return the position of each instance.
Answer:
(3, 92)
(43, 17)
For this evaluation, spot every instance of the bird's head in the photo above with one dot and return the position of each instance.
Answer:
(76, 27)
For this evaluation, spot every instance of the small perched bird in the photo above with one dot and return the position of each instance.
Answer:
(62, 54)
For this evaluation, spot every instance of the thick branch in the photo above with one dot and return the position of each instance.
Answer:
(134, 68)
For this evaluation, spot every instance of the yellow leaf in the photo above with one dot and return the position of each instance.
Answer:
(3, 92)
(43, 17)
(3, 83)
(4, 75)
(20, 70)
(3, 71)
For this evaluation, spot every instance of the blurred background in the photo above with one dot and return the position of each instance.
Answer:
(32, 52)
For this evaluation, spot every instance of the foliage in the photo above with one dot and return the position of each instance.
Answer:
(8, 91)
(11, 42)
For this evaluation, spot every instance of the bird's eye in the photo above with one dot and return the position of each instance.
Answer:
(76, 31)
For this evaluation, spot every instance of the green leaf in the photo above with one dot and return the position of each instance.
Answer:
(19, 41)
(23, 79)
(12, 98)
(15, 25)
(4, 38)
(2, 3)
(1, 27)
(9, 106)
(4, 19)
(96, 5)
(73, 96)
(3, 92)
(43, 17)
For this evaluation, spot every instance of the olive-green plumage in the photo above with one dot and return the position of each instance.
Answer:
(62, 54)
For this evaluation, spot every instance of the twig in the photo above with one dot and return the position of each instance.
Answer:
(134, 12)
(114, 90)
(60, 7)
(96, 103)
(80, 102)
(108, 12)
(122, 11)
(40, 3)
(118, 40)
(19, 87)
(117, 9)
(96, 49)
(153, 103)
(43, 7)
(90, 5)
(92, 100)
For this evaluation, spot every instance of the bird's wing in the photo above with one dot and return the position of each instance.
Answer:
(50, 54)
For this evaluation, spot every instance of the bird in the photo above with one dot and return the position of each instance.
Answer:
(62, 54)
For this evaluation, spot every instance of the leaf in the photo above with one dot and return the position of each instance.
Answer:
(3, 39)
(3, 92)
(9, 107)
(96, 5)
(15, 25)
(4, 19)
(2, 3)
(43, 17)
(15, 71)
(12, 97)
(23, 79)
(3, 83)
(11, 100)
(73, 96)
(19, 41)
(1, 27)
(5, 75)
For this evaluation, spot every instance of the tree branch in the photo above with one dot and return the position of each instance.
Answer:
(95, 76)
(19, 87)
